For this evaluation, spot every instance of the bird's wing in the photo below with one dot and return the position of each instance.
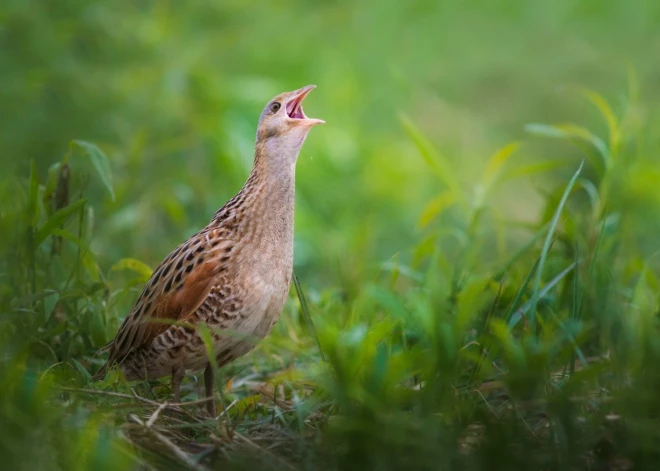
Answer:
(174, 292)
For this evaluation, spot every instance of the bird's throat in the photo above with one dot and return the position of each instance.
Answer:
(271, 215)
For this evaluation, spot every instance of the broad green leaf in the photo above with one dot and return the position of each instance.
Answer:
(57, 220)
(71, 238)
(99, 162)
(135, 265)
(50, 302)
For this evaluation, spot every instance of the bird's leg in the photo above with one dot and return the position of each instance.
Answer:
(177, 376)
(209, 384)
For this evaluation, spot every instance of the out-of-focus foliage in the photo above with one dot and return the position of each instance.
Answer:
(476, 230)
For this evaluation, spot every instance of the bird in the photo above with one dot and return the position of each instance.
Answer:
(233, 276)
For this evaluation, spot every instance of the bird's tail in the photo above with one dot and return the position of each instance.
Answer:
(100, 374)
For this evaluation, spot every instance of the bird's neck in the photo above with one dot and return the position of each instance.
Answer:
(273, 177)
(275, 167)
(274, 190)
(263, 209)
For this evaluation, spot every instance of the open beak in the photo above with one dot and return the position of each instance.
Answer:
(294, 108)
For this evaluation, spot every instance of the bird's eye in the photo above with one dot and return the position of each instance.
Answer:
(275, 106)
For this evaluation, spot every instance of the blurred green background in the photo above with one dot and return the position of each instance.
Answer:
(171, 92)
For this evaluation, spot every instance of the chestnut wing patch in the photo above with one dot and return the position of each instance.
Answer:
(174, 292)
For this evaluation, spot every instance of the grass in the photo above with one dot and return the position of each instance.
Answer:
(477, 280)
(538, 359)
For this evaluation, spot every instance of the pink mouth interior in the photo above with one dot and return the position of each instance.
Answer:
(294, 107)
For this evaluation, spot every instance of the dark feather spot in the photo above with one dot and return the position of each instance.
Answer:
(167, 269)
(190, 256)
(224, 259)
(146, 309)
(168, 285)
(200, 260)
(189, 268)
(223, 356)
(200, 249)
(178, 277)
(229, 249)
(180, 264)
(122, 345)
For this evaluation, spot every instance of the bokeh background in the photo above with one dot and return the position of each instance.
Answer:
(418, 97)
(171, 93)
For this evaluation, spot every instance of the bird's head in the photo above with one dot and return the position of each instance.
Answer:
(283, 124)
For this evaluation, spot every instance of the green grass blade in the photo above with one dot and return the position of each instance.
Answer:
(576, 134)
(496, 163)
(306, 315)
(575, 308)
(431, 155)
(548, 242)
(520, 252)
(608, 114)
(205, 334)
(532, 169)
(435, 207)
(519, 295)
(527, 307)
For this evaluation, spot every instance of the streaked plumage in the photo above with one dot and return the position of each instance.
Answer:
(232, 276)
